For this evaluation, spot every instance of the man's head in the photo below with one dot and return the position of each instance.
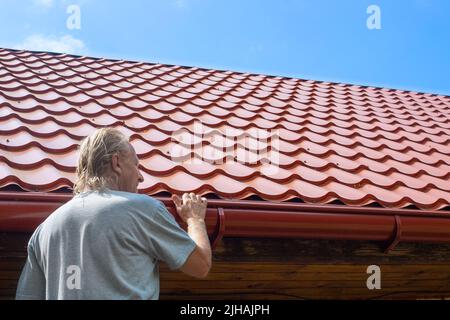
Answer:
(107, 160)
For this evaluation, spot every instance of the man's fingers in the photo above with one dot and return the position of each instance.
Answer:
(193, 197)
(176, 199)
(185, 197)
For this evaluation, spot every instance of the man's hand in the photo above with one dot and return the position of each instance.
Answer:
(191, 207)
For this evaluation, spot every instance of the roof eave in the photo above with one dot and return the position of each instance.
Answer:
(24, 211)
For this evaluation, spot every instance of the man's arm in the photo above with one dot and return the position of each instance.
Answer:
(31, 284)
(193, 210)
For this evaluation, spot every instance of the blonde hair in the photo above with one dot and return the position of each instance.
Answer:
(94, 161)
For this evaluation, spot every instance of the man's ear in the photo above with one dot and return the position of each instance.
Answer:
(116, 165)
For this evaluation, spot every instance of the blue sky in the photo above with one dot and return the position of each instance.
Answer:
(325, 40)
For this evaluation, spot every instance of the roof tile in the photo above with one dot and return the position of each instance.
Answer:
(222, 132)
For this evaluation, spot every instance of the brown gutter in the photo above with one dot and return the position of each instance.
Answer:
(23, 211)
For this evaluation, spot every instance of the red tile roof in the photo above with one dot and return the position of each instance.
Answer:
(329, 141)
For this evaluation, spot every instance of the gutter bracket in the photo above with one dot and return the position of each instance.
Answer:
(396, 235)
(219, 230)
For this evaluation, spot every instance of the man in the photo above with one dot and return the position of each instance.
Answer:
(105, 243)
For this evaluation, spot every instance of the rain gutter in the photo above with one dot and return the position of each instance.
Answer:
(24, 211)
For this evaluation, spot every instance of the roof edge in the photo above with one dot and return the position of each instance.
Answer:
(242, 72)
(21, 212)
(245, 204)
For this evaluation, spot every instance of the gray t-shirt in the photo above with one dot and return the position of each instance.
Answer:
(103, 246)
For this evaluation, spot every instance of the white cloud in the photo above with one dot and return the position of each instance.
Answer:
(44, 3)
(63, 44)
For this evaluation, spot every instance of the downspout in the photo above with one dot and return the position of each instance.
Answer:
(23, 211)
